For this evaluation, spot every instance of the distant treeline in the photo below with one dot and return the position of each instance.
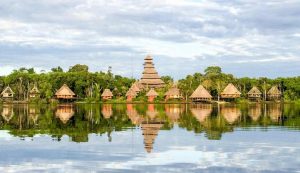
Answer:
(90, 85)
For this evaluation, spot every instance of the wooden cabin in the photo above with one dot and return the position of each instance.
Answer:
(230, 92)
(107, 95)
(200, 94)
(274, 93)
(201, 111)
(7, 94)
(7, 112)
(131, 94)
(152, 94)
(65, 93)
(231, 113)
(34, 92)
(254, 94)
(173, 93)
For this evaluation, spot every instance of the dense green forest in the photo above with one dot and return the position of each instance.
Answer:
(89, 85)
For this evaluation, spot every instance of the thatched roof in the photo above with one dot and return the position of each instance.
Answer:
(151, 92)
(107, 93)
(174, 91)
(7, 113)
(133, 115)
(65, 90)
(7, 90)
(274, 91)
(255, 112)
(150, 76)
(135, 87)
(230, 89)
(173, 112)
(131, 93)
(201, 92)
(34, 90)
(254, 91)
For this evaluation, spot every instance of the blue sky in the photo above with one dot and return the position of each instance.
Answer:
(247, 38)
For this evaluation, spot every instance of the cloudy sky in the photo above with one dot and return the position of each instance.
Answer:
(247, 38)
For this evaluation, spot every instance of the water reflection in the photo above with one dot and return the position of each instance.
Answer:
(78, 121)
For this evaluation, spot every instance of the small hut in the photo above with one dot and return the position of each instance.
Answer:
(254, 94)
(231, 114)
(136, 87)
(107, 111)
(274, 93)
(107, 94)
(201, 94)
(230, 92)
(201, 111)
(7, 93)
(34, 92)
(152, 94)
(130, 95)
(7, 112)
(173, 93)
(65, 93)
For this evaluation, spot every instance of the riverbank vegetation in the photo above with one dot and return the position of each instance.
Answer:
(88, 86)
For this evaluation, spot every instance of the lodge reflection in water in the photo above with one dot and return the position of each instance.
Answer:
(78, 121)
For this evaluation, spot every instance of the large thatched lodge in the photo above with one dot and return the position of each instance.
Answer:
(153, 87)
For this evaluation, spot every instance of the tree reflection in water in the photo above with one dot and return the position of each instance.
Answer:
(78, 121)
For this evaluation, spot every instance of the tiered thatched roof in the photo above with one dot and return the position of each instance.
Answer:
(150, 76)
(152, 92)
(150, 131)
(7, 92)
(131, 93)
(200, 92)
(274, 91)
(65, 91)
(107, 93)
(230, 92)
(254, 92)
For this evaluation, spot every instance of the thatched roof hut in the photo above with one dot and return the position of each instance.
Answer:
(201, 94)
(274, 93)
(65, 112)
(150, 131)
(131, 93)
(152, 94)
(136, 87)
(151, 111)
(34, 113)
(201, 112)
(65, 93)
(254, 93)
(275, 112)
(173, 93)
(230, 91)
(7, 93)
(34, 92)
(150, 76)
(107, 94)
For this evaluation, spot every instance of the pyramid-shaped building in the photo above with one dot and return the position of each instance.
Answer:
(150, 78)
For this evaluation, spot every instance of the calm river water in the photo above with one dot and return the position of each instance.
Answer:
(150, 138)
